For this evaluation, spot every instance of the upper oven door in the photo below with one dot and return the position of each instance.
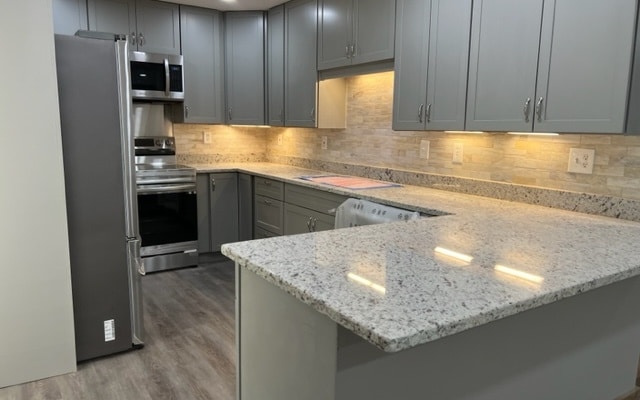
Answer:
(156, 76)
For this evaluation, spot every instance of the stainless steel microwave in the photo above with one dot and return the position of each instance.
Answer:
(156, 76)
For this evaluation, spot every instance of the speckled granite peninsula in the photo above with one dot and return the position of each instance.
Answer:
(414, 286)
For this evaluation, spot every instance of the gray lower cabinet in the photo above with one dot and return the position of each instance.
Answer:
(202, 34)
(275, 66)
(355, 32)
(309, 210)
(550, 66)
(152, 26)
(245, 206)
(244, 67)
(69, 16)
(268, 206)
(432, 48)
(218, 216)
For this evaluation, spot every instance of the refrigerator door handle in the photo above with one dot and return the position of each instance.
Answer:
(136, 269)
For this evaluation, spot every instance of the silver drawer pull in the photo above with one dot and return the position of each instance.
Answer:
(526, 109)
(268, 202)
(539, 108)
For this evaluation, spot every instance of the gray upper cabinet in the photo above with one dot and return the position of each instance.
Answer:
(564, 71)
(244, 67)
(584, 64)
(355, 32)
(432, 47)
(152, 26)
(301, 75)
(275, 66)
(502, 65)
(69, 16)
(202, 36)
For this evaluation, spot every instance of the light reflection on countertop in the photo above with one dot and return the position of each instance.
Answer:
(429, 294)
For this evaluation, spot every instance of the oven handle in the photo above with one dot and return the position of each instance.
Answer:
(158, 189)
(155, 181)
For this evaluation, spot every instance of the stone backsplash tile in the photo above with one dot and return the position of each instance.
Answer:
(369, 142)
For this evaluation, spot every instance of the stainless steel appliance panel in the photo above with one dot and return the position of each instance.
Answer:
(96, 192)
(157, 76)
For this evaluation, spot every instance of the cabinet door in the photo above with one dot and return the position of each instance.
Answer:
(158, 26)
(505, 38)
(115, 16)
(204, 217)
(224, 209)
(448, 61)
(245, 207)
(373, 30)
(69, 16)
(300, 62)
(268, 214)
(202, 41)
(412, 47)
(275, 66)
(334, 33)
(583, 71)
(244, 55)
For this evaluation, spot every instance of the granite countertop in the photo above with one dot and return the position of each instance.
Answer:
(392, 284)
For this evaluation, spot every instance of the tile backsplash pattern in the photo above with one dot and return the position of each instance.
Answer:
(369, 141)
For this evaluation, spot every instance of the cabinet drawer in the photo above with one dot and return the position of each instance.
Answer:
(314, 199)
(269, 188)
(302, 220)
(268, 214)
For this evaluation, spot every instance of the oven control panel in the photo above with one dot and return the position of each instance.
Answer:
(155, 146)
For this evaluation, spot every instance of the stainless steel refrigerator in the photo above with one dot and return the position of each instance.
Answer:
(95, 114)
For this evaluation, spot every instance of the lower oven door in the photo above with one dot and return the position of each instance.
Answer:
(168, 223)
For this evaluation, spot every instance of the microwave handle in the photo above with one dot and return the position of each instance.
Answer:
(167, 77)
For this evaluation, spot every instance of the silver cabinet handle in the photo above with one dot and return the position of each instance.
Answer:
(346, 51)
(428, 113)
(268, 202)
(313, 224)
(312, 114)
(539, 108)
(141, 40)
(526, 109)
(309, 224)
(186, 111)
(230, 113)
(420, 112)
(133, 38)
(281, 115)
(352, 50)
(267, 183)
(213, 184)
(167, 77)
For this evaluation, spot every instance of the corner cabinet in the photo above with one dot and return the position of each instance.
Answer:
(244, 67)
(69, 16)
(218, 215)
(432, 50)
(550, 66)
(152, 26)
(291, 64)
(301, 74)
(202, 36)
(354, 32)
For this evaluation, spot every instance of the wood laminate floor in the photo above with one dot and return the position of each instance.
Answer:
(189, 348)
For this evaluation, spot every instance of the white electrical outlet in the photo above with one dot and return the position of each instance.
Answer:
(325, 142)
(280, 140)
(424, 149)
(109, 330)
(581, 160)
(457, 153)
(206, 137)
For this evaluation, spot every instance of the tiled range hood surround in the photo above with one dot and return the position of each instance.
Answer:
(369, 141)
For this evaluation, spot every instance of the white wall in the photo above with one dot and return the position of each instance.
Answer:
(36, 312)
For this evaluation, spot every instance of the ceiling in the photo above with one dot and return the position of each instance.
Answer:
(231, 5)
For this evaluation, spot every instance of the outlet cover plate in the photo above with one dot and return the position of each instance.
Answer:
(324, 142)
(581, 160)
(206, 137)
(424, 149)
